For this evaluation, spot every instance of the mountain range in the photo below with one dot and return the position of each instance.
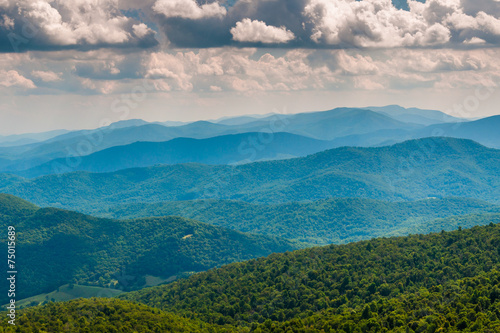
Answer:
(412, 170)
(341, 127)
(227, 149)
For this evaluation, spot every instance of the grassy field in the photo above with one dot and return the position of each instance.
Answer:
(66, 293)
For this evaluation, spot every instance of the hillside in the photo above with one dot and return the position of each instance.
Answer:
(320, 222)
(390, 282)
(238, 148)
(104, 315)
(445, 282)
(412, 170)
(57, 247)
(429, 310)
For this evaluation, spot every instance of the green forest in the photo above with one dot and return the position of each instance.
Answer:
(57, 247)
(322, 222)
(442, 282)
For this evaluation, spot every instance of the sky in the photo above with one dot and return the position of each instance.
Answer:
(76, 64)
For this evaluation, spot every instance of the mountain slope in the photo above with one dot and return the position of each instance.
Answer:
(418, 169)
(104, 315)
(57, 247)
(320, 222)
(303, 292)
(341, 280)
(239, 148)
(485, 131)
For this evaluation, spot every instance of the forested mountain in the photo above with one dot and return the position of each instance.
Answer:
(57, 247)
(320, 222)
(228, 149)
(440, 282)
(443, 282)
(105, 315)
(417, 169)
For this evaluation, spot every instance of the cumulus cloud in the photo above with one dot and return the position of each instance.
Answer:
(378, 23)
(12, 78)
(68, 24)
(330, 23)
(46, 76)
(188, 9)
(255, 31)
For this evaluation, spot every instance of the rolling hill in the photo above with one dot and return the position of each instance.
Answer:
(448, 281)
(417, 169)
(320, 222)
(57, 247)
(444, 282)
(228, 149)
(105, 315)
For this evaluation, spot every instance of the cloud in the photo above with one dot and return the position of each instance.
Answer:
(188, 9)
(258, 32)
(46, 76)
(330, 23)
(377, 23)
(215, 31)
(12, 78)
(69, 24)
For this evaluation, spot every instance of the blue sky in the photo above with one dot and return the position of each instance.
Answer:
(80, 63)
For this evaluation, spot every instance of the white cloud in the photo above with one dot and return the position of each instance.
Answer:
(377, 23)
(73, 22)
(46, 76)
(6, 22)
(188, 9)
(12, 78)
(255, 31)
(141, 30)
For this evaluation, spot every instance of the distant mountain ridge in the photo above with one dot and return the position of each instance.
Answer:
(342, 127)
(227, 149)
(417, 169)
(415, 115)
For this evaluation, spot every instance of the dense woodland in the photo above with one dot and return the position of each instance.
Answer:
(104, 315)
(57, 247)
(340, 220)
(444, 282)
(299, 284)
